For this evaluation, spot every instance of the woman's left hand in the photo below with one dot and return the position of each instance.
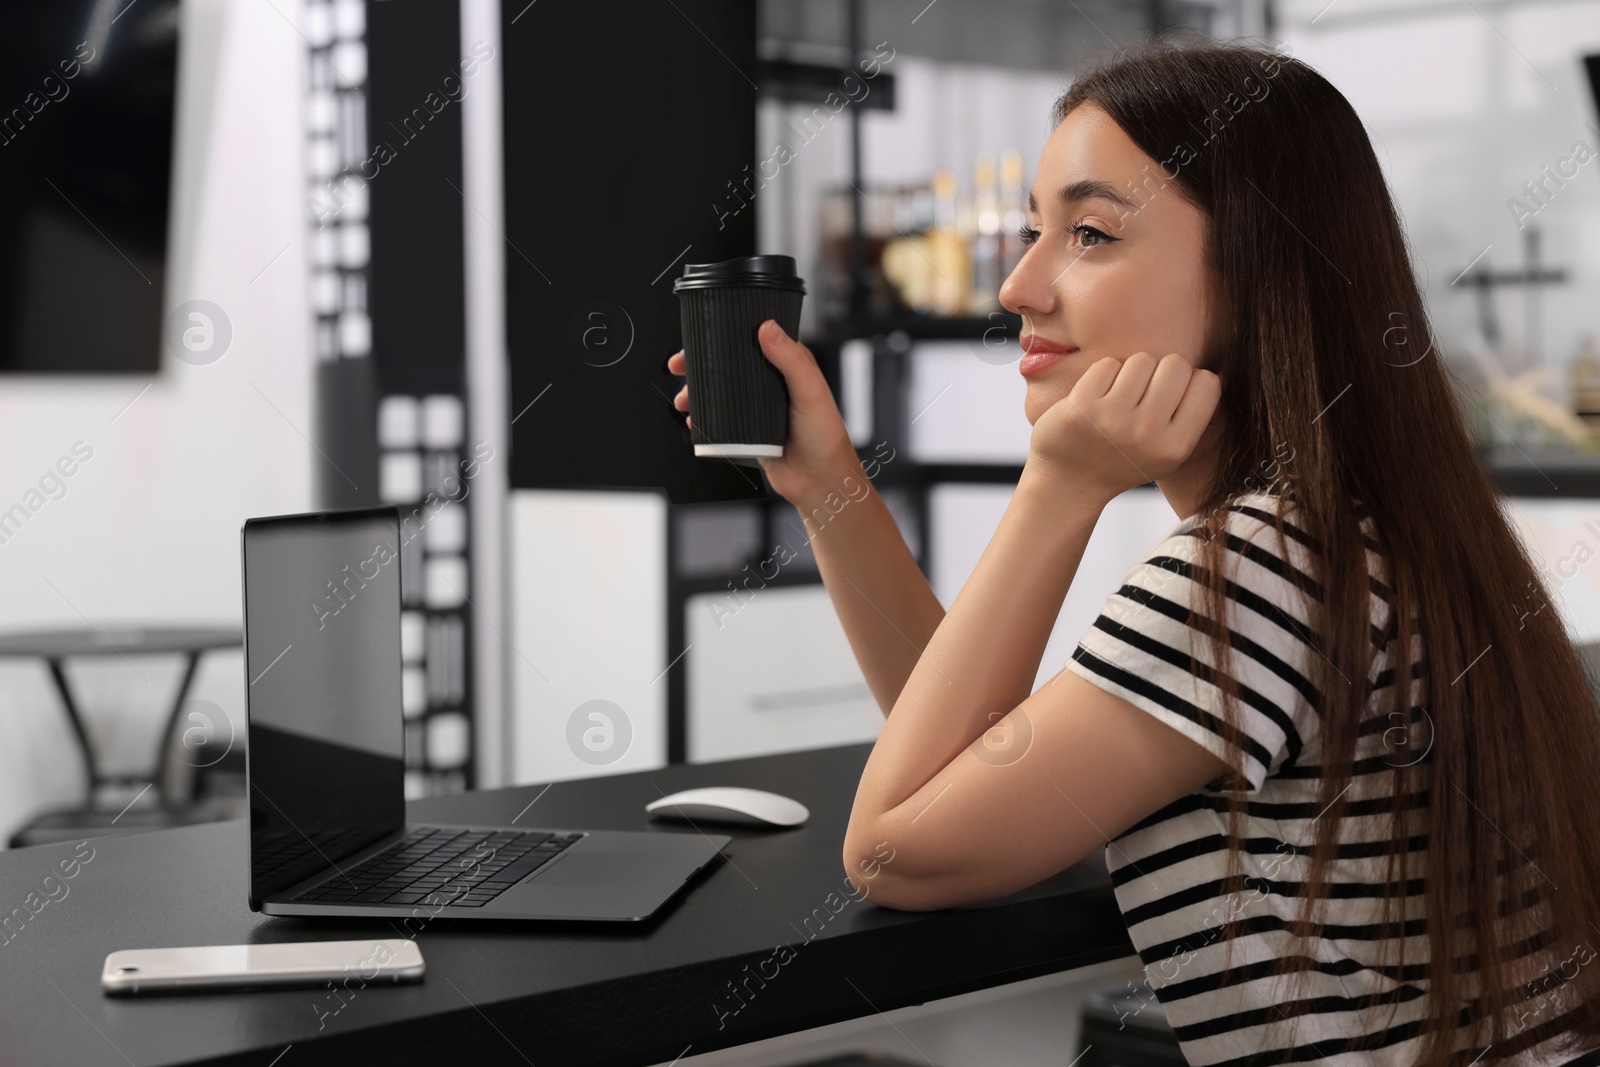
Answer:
(1127, 422)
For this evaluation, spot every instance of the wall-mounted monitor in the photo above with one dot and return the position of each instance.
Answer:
(87, 94)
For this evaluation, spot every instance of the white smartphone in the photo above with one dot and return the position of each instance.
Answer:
(206, 968)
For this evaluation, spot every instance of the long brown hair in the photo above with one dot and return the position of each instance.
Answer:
(1324, 348)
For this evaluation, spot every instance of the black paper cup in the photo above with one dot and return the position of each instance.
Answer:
(738, 399)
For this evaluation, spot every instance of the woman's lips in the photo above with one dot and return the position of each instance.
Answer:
(1041, 352)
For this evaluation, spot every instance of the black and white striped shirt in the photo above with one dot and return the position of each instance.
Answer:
(1168, 870)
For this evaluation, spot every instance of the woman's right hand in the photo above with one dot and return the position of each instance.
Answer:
(819, 454)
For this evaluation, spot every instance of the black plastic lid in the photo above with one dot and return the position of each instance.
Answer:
(760, 272)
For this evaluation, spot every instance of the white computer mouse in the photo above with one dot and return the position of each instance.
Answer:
(730, 804)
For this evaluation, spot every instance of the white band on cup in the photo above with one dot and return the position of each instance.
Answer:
(738, 451)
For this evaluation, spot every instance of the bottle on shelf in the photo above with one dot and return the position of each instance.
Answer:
(949, 254)
(907, 258)
(986, 245)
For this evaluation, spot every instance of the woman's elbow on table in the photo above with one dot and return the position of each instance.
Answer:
(879, 873)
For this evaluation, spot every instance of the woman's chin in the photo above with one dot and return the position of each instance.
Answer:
(1040, 396)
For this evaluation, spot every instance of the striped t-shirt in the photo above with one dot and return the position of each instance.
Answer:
(1168, 870)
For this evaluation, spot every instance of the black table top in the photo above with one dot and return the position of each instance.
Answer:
(112, 640)
(773, 917)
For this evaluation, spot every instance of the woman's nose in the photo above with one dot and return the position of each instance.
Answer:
(1025, 290)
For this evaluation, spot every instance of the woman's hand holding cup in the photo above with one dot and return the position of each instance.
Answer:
(818, 452)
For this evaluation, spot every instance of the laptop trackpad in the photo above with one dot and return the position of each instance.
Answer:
(586, 869)
(594, 885)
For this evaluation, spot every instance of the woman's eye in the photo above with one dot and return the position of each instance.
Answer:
(1030, 235)
(1100, 237)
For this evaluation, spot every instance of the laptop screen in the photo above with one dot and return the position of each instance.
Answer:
(322, 690)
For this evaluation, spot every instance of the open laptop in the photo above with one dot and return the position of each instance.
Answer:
(326, 755)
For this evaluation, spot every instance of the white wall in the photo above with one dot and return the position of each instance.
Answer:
(149, 528)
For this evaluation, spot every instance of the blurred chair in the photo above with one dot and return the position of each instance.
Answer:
(1125, 1028)
(202, 797)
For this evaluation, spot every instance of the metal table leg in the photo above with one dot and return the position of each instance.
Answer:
(164, 752)
(90, 766)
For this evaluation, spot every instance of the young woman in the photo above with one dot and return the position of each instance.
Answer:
(1323, 849)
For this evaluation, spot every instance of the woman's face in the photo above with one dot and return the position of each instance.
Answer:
(1130, 278)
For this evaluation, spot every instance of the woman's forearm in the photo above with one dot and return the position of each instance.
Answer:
(986, 652)
(882, 598)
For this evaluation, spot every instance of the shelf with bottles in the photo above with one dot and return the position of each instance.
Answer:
(932, 250)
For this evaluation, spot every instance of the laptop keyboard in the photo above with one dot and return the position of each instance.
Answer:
(274, 854)
(462, 868)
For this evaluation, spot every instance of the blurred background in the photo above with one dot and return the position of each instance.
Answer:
(265, 256)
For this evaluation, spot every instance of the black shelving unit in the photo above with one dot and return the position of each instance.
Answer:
(894, 342)
(1544, 473)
